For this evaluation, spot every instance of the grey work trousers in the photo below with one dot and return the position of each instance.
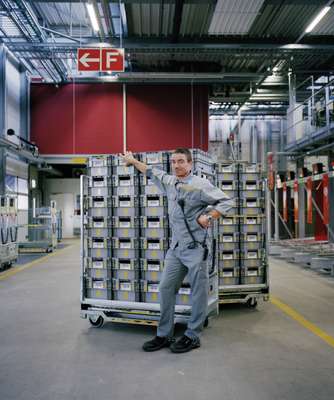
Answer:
(178, 263)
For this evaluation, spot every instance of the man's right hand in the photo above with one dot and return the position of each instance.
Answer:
(128, 158)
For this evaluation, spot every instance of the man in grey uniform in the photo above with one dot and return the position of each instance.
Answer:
(188, 198)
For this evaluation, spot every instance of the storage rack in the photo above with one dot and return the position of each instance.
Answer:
(8, 231)
(243, 265)
(42, 230)
(125, 237)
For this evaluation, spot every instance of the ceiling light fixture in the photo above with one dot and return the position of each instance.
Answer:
(317, 19)
(92, 17)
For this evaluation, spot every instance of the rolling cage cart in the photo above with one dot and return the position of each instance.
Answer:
(243, 246)
(42, 230)
(124, 239)
(8, 231)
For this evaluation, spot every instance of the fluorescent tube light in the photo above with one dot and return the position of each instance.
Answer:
(317, 19)
(92, 17)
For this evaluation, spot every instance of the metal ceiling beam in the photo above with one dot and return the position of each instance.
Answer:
(177, 20)
(148, 45)
(129, 1)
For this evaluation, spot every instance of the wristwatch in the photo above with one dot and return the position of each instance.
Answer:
(209, 216)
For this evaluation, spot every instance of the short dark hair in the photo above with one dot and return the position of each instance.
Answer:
(185, 151)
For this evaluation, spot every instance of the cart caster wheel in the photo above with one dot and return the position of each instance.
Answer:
(252, 303)
(97, 322)
(206, 322)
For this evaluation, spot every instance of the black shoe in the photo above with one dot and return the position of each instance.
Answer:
(157, 343)
(185, 344)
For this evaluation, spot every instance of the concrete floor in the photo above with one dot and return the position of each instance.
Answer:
(47, 352)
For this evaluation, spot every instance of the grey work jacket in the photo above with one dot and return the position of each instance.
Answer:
(197, 193)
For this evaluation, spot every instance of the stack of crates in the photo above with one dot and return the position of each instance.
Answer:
(252, 224)
(8, 231)
(154, 229)
(203, 165)
(126, 232)
(241, 231)
(229, 235)
(98, 229)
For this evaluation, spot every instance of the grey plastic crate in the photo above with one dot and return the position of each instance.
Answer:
(250, 177)
(99, 273)
(99, 294)
(154, 158)
(252, 254)
(99, 212)
(250, 185)
(154, 226)
(250, 168)
(125, 269)
(99, 232)
(99, 181)
(100, 201)
(126, 211)
(154, 211)
(228, 237)
(229, 276)
(252, 275)
(154, 244)
(247, 194)
(227, 168)
(228, 185)
(99, 253)
(99, 171)
(117, 160)
(97, 263)
(126, 227)
(153, 200)
(184, 296)
(126, 191)
(151, 270)
(125, 290)
(150, 292)
(251, 263)
(252, 224)
(98, 289)
(125, 180)
(227, 255)
(153, 254)
(102, 191)
(233, 263)
(125, 170)
(125, 201)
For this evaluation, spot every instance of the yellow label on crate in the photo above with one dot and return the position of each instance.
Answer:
(154, 275)
(154, 232)
(126, 274)
(99, 293)
(98, 253)
(154, 253)
(126, 295)
(126, 211)
(98, 274)
(126, 232)
(154, 296)
(154, 211)
(184, 298)
(126, 253)
(98, 232)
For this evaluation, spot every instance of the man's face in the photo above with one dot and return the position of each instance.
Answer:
(180, 165)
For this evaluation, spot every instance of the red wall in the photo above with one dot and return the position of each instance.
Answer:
(88, 118)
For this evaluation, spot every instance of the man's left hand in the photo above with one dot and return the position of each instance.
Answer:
(204, 221)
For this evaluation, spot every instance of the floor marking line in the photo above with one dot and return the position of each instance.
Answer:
(12, 272)
(303, 321)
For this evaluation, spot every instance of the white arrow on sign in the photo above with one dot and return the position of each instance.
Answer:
(85, 60)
